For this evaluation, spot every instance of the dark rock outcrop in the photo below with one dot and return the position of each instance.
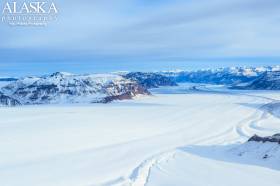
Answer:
(275, 138)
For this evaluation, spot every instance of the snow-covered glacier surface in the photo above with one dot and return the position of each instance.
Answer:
(191, 134)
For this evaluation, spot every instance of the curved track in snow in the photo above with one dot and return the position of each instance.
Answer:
(244, 130)
(120, 144)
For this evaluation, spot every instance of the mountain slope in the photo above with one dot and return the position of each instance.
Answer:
(151, 80)
(8, 101)
(68, 88)
(227, 76)
(267, 81)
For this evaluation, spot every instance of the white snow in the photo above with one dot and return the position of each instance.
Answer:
(186, 168)
(4, 83)
(179, 137)
(66, 88)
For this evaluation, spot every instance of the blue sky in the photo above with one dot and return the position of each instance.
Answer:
(110, 35)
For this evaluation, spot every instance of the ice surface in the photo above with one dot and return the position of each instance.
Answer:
(166, 139)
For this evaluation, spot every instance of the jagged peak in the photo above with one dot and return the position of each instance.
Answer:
(61, 74)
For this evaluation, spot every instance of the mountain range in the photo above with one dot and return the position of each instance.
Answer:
(62, 87)
(69, 88)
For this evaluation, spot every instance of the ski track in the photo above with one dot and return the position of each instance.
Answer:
(244, 129)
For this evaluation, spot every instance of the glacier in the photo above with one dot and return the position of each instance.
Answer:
(174, 137)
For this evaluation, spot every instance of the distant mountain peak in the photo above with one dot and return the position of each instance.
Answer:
(61, 74)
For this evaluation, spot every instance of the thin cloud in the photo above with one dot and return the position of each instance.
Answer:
(186, 29)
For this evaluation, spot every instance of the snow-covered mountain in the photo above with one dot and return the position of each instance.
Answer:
(260, 78)
(151, 80)
(8, 101)
(269, 80)
(68, 88)
(6, 80)
(233, 75)
(62, 87)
